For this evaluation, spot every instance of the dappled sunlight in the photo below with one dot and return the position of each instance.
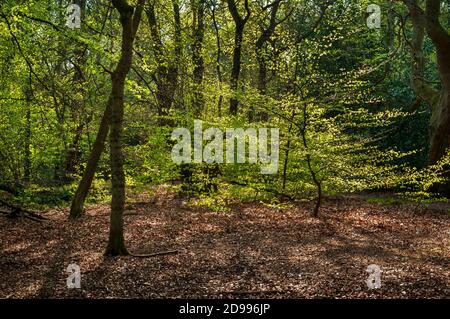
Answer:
(250, 251)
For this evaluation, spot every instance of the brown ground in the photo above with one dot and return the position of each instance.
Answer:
(251, 251)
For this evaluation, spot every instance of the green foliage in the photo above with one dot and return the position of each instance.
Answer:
(44, 197)
(359, 133)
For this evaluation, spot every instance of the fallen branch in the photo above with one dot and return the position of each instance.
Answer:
(163, 253)
(244, 292)
(17, 211)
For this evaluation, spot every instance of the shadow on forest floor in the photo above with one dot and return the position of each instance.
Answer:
(250, 251)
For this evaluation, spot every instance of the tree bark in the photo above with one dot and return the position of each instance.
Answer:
(129, 19)
(198, 9)
(439, 101)
(218, 60)
(78, 201)
(167, 68)
(317, 182)
(440, 120)
(27, 161)
(240, 23)
(73, 152)
(390, 35)
(261, 54)
(76, 208)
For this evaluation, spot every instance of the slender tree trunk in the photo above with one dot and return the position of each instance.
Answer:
(236, 68)
(261, 55)
(262, 76)
(390, 34)
(73, 152)
(76, 209)
(116, 243)
(317, 182)
(130, 22)
(167, 68)
(78, 201)
(27, 161)
(240, 23)
(287, 152)
(218, 61)
(198, 8)
(262, 85)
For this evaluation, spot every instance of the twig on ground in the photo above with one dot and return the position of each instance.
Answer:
(162, 253)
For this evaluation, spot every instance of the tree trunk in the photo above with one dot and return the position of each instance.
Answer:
(27, 161)
(198, 9)
(218, 60)
(73, 153)
(317, 182)
(261, 55)
(76, 209)
(130, 23)
(236, 68)
(167, 68)
(440, 120)
(240, 23)
(78, 201)
(439, 101)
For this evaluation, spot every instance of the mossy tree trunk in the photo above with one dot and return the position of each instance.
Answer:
(129, 18)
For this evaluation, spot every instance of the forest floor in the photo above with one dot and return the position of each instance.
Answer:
(252, 250)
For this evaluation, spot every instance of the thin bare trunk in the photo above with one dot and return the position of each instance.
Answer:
(316, 180)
